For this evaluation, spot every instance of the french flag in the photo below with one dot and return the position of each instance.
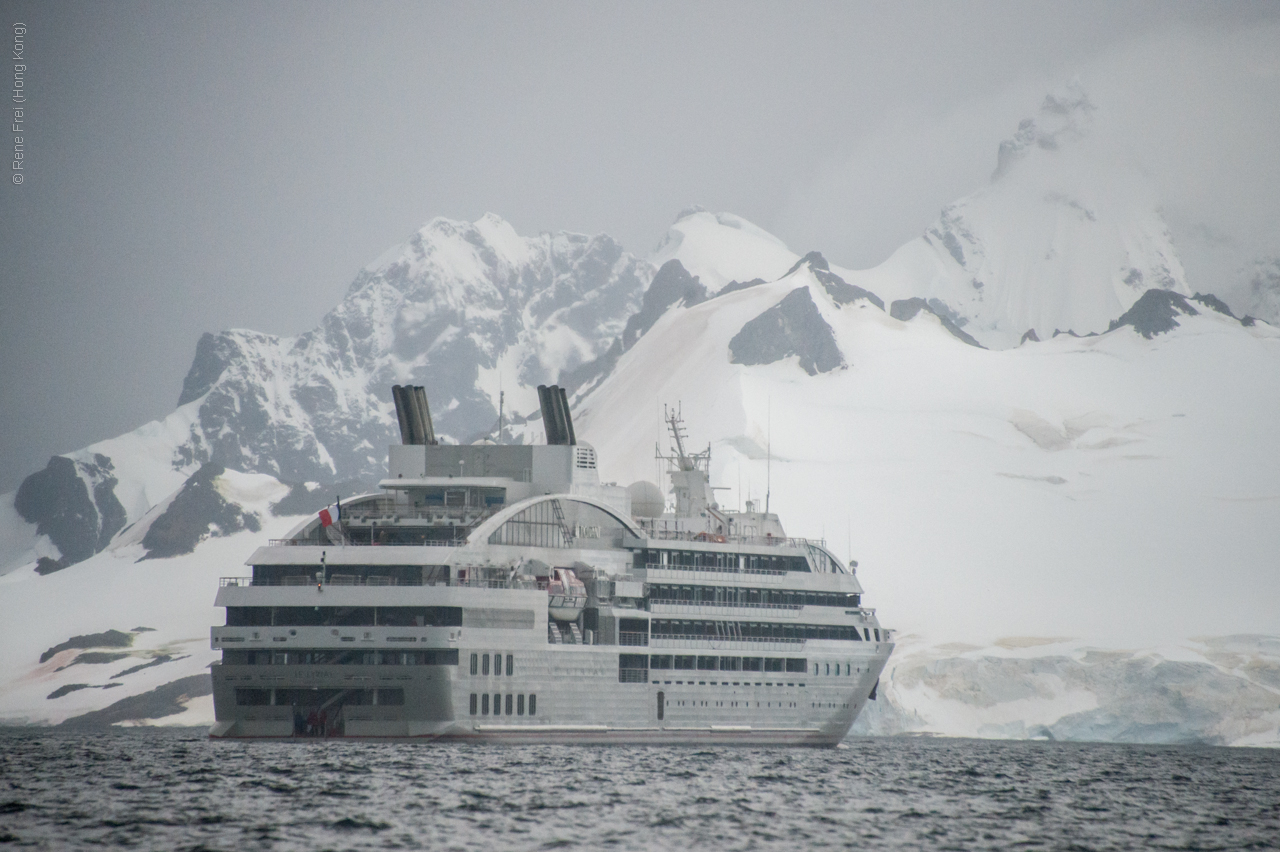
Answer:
(327, 518)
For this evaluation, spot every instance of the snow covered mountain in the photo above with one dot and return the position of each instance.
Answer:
(1115, 484)
(466, 309)
(1066, 236)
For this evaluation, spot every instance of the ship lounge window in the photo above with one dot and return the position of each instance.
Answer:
(685, 662)
(484, 704)
(659, 661)
(533, 705)
(708, 664)
(519, 705)
(474, 701)
(796, 665)
(751, 664)
(730, 664)
(633, 668)
(475, 664)
(511, 665)
(484, 665)
(774, 664)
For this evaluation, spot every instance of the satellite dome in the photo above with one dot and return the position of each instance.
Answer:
(646, 499)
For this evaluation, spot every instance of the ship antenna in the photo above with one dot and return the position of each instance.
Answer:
(768, 464)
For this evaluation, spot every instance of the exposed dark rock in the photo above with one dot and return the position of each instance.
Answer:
(1029, 335)
(213, 356)
(792, 327)
(66, 689)
(302, 501)
(1213, 303)
(93, 658)
(814, 260)
(735, 286)
(109, 639)
(196, 512)
(59, 502)
(841, 291)
(844, 293)
(672, 284)
(906, 309)
(167, 700)
(1155, 312)
(143, 630)
(158, 661)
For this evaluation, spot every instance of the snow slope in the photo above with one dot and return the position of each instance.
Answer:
(1113, 487)
(118, 590)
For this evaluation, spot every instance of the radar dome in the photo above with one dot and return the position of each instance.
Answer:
(646, 499)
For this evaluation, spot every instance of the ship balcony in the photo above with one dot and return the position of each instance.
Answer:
(655, 573)
(285, 638)
(719, 610)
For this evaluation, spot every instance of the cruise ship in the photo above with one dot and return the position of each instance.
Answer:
(503, 593)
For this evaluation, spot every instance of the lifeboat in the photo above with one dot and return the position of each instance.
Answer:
(566, 595)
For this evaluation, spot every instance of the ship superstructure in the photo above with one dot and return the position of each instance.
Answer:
(503, 592)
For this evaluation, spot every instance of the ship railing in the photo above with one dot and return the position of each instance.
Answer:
(717, 569)
(713, 538)
(223, 582)
(356, 541)
(633, 675)
(727, 604)
(633, 638)
(675, 641)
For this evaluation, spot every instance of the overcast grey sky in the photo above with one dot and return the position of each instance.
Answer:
(198, 166)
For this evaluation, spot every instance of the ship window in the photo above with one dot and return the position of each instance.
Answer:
(519, 705)
(829, 669)
(773, 664)
(473, 703)
(484, 704)
(252, 697)
(497, 704)
(510, 665)
(391, 697)
(707, 663)
(796, 665)
(684, 662)
(877, 634)
(508, 703)
(662, 705)
(846, 669)
(730, 664)
(660, 661)
(533, 705)
(475, 663)
(751, 664)
(484, 665)
(867, 633)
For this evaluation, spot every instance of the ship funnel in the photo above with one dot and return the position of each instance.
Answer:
(555, 415)
(424, 415)
(414, 414)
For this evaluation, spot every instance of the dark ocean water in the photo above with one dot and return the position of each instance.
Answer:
(175, 790)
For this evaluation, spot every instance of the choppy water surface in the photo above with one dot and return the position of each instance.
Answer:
(177, 790)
